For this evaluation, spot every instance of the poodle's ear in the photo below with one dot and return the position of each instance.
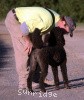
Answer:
(52, 39)
(37, 39)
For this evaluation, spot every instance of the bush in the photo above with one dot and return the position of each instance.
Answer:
(73, 8)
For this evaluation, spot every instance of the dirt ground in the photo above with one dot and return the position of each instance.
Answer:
(75, 64)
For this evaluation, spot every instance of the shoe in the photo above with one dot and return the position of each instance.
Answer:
(35, 85)
(49, 82)
(23, 88)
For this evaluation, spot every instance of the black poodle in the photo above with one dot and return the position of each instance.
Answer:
(54, 54)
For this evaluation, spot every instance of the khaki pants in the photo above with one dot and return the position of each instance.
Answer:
(21, 57)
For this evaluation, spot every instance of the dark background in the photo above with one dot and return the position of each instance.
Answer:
(73, 8)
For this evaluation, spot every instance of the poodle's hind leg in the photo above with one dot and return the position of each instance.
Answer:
(44, 70)
(33, 64)
(43, 75)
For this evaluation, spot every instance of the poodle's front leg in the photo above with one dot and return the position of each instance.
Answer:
(64, 74)
(56, 78)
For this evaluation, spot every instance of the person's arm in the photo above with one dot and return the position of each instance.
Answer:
(25, 32)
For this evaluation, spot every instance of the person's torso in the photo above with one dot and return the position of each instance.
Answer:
(36, 17)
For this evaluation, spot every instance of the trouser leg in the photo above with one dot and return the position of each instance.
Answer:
(21, 57)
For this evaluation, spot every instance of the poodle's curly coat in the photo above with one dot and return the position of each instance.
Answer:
(54, 54)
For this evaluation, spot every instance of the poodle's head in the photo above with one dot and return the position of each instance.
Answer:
(57, 36)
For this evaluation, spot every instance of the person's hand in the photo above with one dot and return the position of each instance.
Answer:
(28, 47)
(28, 44)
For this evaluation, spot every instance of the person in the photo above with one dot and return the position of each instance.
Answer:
(22, 21)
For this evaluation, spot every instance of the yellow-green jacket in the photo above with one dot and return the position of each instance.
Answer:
(37, 17)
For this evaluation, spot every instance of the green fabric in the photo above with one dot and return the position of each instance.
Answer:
(36, 17)
(57, 16)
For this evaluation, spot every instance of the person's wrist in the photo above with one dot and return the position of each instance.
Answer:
(26, 38)
(28, 41)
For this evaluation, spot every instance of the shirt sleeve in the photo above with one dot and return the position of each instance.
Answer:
(24, 28)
